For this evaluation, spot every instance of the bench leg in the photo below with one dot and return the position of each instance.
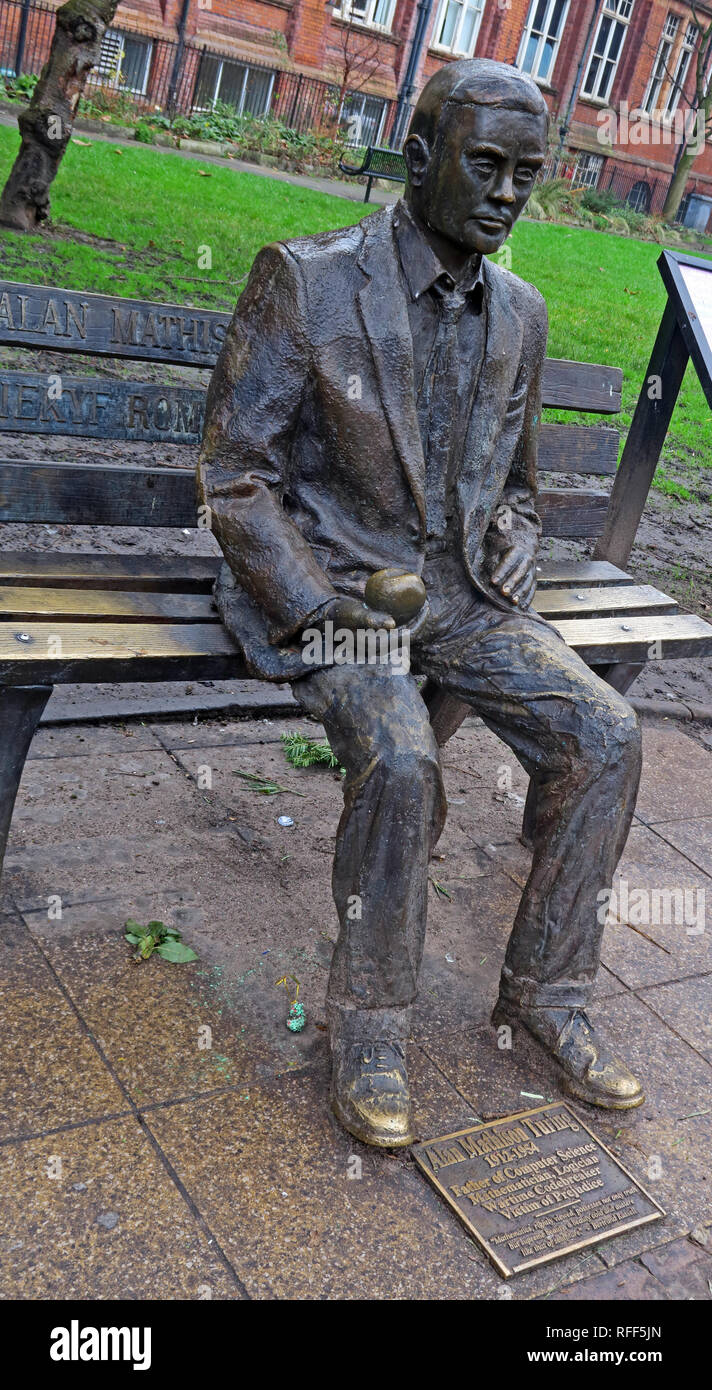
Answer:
(620, 675)
(367, 195)
(445, 711)
(21, 708)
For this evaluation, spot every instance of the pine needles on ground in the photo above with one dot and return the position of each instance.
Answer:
(302, 751)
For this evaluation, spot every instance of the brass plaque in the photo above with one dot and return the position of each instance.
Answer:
(534, 1186)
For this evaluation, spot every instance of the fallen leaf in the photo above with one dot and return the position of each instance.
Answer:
(76, 141)
(205, 173)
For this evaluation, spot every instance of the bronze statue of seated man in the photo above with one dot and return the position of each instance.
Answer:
(375, 409)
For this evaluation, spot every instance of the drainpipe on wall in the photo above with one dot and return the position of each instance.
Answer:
(564, 127)
(178, 60)
(20, 53)
(407, 87)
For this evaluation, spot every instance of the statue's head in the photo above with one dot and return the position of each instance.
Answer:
(475, 142)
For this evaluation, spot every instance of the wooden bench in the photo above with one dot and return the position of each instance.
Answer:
(377, 163)
(101, 617)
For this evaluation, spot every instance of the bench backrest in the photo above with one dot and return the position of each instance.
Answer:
(387, 164)
(103, 407)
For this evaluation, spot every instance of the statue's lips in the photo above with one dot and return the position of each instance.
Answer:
(492, 224)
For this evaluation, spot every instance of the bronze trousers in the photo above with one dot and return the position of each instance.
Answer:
(575, 736)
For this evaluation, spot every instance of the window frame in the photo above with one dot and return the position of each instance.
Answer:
(661, 63)
(344, 10)
(528, 33)
(363, 97)
(99, 78)
(465, 6)
(613, 10)
(684, 58)
(249, 67)
(583, 157)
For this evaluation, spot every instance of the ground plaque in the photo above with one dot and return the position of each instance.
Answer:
(534, 1186)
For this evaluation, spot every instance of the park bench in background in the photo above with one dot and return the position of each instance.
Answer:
(377, 164)
(73, 618)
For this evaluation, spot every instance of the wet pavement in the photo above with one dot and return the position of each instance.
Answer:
(162, 1133)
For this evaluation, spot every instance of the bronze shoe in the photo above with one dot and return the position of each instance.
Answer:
(592, 1072)
(369, 1092)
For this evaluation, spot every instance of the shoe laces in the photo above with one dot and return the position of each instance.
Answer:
(379, 1056)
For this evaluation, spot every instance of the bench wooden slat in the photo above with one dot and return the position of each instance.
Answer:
(572, 512)
(34, 604)
(564, 573)
(61, 652)
(587, 386)
(602, 602)
(578, 449)
(60, 320)
(101, 407)
(29, 653)
(98, 605)
(91, 495)
(114, 495)
(96, 407)
(188, 574)
(101, 325)
(603, 640)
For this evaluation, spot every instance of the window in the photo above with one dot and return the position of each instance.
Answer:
(639, 197)
(124, 61)
(248, 89)
(540, 40)
(377, 14)
(689, 43)
(457, 26)
(363, 118)
(607, 48)
(587, 170)
(660, 66)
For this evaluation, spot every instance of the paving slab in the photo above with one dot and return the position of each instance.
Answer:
(93, 1213)
(93, 740)
(275, 1177)
(676, 783)
(74, 798)
(50, 1071)
(685, 1008)
(693, 838)
(664, 897)
(239, 1133)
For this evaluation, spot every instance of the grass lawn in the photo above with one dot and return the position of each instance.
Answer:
(132, 221)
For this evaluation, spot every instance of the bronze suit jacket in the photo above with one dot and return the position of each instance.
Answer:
(312, 463)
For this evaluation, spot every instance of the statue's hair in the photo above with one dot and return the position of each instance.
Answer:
(474, 82)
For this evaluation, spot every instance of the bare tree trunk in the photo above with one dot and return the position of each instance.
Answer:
(677, 186)
(46, 124)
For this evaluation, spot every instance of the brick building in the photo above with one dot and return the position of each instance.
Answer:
(588, 56)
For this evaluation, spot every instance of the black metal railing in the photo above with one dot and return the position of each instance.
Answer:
(178, 79)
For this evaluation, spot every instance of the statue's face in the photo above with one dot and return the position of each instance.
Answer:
(480, 174)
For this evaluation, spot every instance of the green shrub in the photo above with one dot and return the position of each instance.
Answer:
(22, 88)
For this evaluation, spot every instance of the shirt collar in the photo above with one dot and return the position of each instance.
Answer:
(422, 268)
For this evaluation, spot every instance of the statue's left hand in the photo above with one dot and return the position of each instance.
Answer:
(515, 575)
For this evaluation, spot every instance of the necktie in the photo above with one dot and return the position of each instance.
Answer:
(437, 405)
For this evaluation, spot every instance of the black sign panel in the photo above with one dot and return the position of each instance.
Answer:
(688, 280)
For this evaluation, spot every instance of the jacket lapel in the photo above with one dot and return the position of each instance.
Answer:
(384, 314)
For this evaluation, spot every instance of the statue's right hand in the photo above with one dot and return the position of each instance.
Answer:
(352, 613)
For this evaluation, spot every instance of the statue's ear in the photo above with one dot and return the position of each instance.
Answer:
(417, 156)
